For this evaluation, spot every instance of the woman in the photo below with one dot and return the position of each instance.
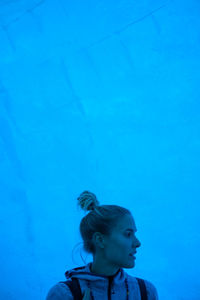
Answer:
(108, 233)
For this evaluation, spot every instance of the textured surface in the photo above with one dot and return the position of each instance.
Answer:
(101, 96)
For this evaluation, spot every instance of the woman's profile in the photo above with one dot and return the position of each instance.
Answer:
(108, 233)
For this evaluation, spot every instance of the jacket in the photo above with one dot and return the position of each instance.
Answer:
(102, 287)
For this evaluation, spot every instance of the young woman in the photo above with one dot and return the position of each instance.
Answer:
(108, 233)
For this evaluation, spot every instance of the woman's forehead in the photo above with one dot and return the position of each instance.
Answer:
(127, 223)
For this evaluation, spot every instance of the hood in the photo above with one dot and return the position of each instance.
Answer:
(85, 273)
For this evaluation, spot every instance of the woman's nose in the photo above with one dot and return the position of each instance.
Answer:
(138, 244)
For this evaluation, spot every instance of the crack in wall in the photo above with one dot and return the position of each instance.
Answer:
(117, 32)
(28, 10)
(76, 99)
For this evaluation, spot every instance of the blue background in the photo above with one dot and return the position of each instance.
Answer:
(100, 96)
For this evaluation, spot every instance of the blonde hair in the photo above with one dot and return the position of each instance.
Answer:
(101, 218)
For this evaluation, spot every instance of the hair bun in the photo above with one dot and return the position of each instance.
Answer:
(87, 201)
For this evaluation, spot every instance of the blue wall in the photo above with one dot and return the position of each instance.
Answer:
(100, 96)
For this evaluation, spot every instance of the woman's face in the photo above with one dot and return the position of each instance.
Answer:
(114, 252)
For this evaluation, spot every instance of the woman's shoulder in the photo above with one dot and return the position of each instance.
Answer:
(150, 287)
(59, 291)
(151, 290)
